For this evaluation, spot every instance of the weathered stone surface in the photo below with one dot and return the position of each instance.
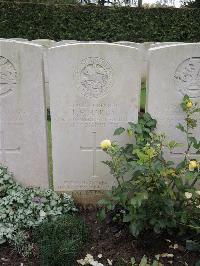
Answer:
(94, 88)
(44, 42)
(142, 47)
(23, 138)
(157, 44)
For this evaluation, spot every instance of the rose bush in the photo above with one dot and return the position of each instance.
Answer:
(151, 192)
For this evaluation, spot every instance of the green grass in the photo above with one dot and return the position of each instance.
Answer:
(143, 97)
(60, 241)
(50, 153)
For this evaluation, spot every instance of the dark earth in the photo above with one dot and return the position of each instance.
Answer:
(116, 244)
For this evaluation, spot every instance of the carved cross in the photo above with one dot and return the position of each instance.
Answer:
(4, 150)
(94, 149)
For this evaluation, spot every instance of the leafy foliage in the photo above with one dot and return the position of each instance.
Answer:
(145, 262)
(152, 193)
(24, 208)
(91, 22)
(60, 240)
(192, 3)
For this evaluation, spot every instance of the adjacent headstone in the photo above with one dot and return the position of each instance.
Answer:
(18, 39)
(143, 51)
(46, 43)
(174, 71)
(23, 138)
(127, 43)
(64, 42)
(94, 88)
(158, 44)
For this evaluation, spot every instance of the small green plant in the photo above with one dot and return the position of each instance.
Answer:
(60, 240)
(152, 193)
(22, 209)
(145, 262)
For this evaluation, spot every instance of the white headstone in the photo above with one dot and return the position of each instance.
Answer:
(94, 89)
(23, 138)
(18, 39)
(157, 44)
(143, 51)
(46, 43)
(127, 43)
(64, 42)
(174, 71)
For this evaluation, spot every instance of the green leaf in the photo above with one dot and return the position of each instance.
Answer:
(101, 215)
(124, 197)
(181, 127)
(197, 110)
(147, 116)
(126, 218)
(173, 144)
(170, 163)
(130, 132)
(119, 131)
(192, 245)
(144, 261)
(181, 165)
(103, 202)
(138, 129)
(133, 261)
(131, 124)
(152, 123)
(2, 240)
(134, 229)
(108, 193)
(137, 200)
(155, 263)
(189, 175)
(197, 263)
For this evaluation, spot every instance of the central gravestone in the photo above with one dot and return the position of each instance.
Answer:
(179, 74)
(94, 88)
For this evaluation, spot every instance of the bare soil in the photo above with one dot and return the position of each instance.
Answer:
(116, 244)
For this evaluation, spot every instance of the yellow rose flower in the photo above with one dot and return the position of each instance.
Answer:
(105, 144)
(193, 165)
(188, 195)
(189, 104)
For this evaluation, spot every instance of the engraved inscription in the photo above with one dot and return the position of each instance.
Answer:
(93, 77)
(187, 77)
(100, 114)
(92, 184)
(103, 113)
(8, 76)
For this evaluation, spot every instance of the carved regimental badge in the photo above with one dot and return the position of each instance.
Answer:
(93, 77)
(8, 76)
(187, 77)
